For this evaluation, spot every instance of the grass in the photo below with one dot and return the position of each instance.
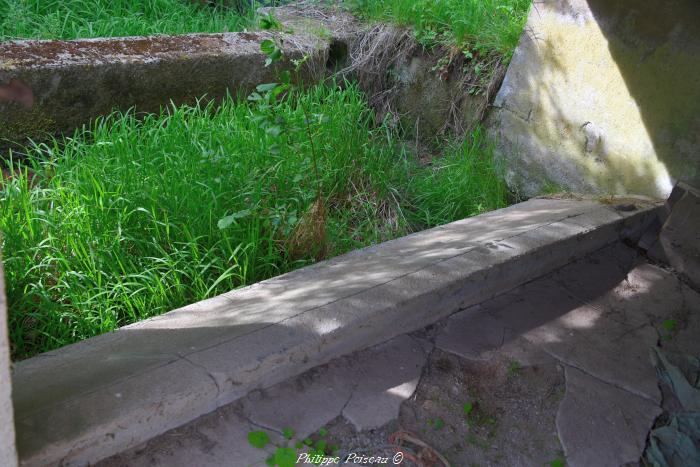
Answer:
(485, 26)
(72, 19)
(120, 223)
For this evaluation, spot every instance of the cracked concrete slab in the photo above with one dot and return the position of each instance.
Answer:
(600, 424)
(304, 403)
(552, 314)
(216, 440)
(367, 388)
(386, 376)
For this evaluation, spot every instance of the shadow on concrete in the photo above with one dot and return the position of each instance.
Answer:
(656, 46)
(603, 97)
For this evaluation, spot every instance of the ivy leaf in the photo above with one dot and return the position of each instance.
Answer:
(288, 433)
(225, 222)
(468, 408)
(285, 76)
(269, 22)
(321, 445)
(258, 439)
(268, 46)
(265, 87)
(285, 457)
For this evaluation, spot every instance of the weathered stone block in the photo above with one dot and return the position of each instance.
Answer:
(49, 87)
(603, 97)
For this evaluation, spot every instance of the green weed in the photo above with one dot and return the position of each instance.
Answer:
(514, 368)
(141, 216)
(482, 26)
(72, 19)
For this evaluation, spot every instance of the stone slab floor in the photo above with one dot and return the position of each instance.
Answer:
(555, 372)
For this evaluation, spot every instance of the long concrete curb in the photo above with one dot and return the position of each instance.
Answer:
(98, 397)
(49, 87)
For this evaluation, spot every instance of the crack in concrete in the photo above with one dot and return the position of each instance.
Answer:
(206, 370)
(598, 378)
(248, 419)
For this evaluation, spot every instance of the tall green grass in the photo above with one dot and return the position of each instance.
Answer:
(72, 19)
(486, 25)
(120, 223)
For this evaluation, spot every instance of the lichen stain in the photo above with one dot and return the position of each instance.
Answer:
(28, 52)
(17, 91)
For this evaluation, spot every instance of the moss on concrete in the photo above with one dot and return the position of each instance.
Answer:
(606, 98)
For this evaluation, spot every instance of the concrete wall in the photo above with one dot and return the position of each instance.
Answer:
(8, 454)
(603, 96)
(50, 87)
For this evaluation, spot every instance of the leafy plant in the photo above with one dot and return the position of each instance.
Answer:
(514, 368)
(286, 455)
(670, 325)
(288, 433)
(258, 439)
(269, 22)
(468, 408)
(436, 423)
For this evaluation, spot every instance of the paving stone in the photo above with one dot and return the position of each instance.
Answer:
(367, 388)
(595, 275)
(611, 351)
(304, 403)
(601, 425)
(216, 440)
(472, 334)
(551, 314)
(648, 294)
(478, 331)
(386, 376)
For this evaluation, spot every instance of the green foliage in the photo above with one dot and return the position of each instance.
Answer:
(286, 456)
(482, 25)
(72, 19)
(464, 182)
(670, 325)
(468, 408)
(269, 22)
(137, 217)
(436, 423)
(514, 367)
(258, 439)
(559, 462)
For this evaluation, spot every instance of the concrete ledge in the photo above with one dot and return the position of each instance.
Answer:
(98, 397)
(49, 87)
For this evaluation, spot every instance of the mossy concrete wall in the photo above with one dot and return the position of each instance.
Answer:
(603, 96)
(49, 87)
